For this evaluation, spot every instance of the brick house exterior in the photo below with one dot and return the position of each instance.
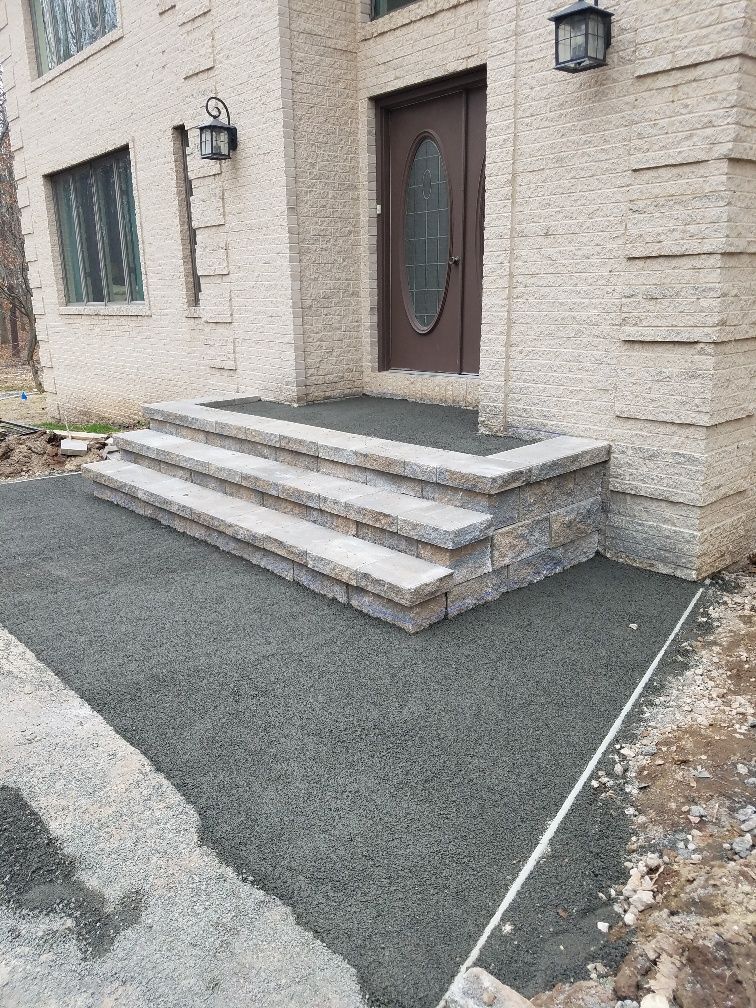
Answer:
(619, 292)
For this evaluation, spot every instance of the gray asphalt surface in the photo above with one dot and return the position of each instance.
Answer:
(388, 788)
(444, 427)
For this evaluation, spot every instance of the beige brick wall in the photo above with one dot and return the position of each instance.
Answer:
(619, 299)
(154, 73)
(321, 49)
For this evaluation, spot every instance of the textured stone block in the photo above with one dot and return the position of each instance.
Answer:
(285, 506)
(478, 590)
(321, 583)
(466, 561)
(555, 456)
(536, 568)
(503, 507)
(538, 499)
(173, 470)
(118, 497)
(298, 459)
(341, 470)
(340, 524)
(390, 481)
(179, 430)
(517, 542)
(575, 522)
(391, 540)
(580, 550)
(409, 618)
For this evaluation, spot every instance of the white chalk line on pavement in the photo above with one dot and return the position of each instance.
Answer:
(582, 780)
(32, 479)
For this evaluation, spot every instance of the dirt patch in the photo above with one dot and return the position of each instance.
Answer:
(38, 454)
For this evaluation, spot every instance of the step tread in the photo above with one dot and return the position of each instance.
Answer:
(402, 578)
(486, 473)
(436, 523)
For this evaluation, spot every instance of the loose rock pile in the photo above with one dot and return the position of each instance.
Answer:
(38, 454)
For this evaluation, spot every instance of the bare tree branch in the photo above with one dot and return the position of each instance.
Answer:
(15, 289)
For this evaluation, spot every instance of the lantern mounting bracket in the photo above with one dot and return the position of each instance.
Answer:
(214, 107)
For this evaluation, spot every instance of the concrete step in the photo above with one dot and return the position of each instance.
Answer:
(406, 467)
(402, 589)
(227, 470)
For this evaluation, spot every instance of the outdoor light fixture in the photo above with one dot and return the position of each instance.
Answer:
(583, 33)
(217, 139)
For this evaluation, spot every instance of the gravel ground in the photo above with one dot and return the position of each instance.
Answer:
(387, 789)
(446, 427)
(681, 912)
(132, 910)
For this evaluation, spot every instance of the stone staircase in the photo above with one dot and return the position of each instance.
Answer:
(406, 533)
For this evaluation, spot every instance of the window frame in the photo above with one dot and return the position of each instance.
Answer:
(66, 178)
(193, 281)
(44, 34)
(376, 16)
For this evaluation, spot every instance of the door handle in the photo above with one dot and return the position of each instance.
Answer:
(454, 260)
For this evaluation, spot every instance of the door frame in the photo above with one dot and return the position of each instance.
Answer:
(384, 105)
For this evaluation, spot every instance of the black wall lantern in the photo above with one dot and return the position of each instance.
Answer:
(583, 34)
(217, 139)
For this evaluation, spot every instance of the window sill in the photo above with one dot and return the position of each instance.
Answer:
(109, 310)
(415, 11)
(68, 64)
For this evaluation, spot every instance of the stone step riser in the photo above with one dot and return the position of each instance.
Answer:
(412, 618)
(505, 507)
(415, 518)
(412, 463)
(433, 533)
(404, 580)
(466, 561)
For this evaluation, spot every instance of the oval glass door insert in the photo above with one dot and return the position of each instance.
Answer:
(426, 233)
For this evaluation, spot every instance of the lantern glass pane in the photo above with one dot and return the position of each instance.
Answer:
(204, 141)
(220, 142)
(596, 37)
(564, 41)
(578, 38)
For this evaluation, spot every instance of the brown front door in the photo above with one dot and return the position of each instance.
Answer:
(431, 235)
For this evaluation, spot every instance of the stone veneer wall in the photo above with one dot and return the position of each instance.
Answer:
(153, 73)
(620, 215)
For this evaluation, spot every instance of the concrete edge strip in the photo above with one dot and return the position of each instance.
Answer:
(555, 823)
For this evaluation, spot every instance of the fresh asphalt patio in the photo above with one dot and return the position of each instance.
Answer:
(386, 787)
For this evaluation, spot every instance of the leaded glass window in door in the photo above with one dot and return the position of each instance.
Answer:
(426, 232)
